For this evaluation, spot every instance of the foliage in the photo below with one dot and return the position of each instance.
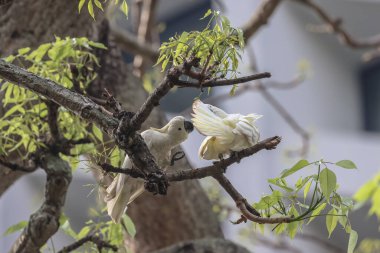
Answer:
(100, 4)
(107, 230)
(369, 246)
(218, 47)
(370, 191)
(293, 200)
(24, 127)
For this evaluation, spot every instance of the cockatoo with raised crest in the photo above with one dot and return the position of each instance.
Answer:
(124, 189)
(226, 133)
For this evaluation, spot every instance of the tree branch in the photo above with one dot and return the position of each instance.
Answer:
(99, 242)
(45, 221)
(248, 212)
(226, 82)
(52, 120)
(128, 140)
(16, 167)
(259, 18)
(335, 27)
(220, 166)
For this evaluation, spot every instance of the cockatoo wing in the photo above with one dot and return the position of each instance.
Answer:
(207, 120)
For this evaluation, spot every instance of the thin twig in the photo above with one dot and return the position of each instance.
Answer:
(98, 241)
(16, 167)
(226, 82)
(336, 28)
(259, 18)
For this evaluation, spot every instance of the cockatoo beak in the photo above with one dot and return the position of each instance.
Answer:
(189, 127)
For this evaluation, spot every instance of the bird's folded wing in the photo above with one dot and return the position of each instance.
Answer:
(209, 123)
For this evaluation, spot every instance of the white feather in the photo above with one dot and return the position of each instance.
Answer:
(124, 189)
(225, 132)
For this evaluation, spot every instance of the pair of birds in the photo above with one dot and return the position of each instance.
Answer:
(225, 133)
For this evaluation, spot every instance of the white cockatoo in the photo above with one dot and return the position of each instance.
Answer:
(225, 133)
(124, 189)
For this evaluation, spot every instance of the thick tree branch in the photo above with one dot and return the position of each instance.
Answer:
(220, 166)
(99, 242)
(17, 167)
(45, 222)
(207, 171)
(336, 27)
(259, 18)
(52, 120)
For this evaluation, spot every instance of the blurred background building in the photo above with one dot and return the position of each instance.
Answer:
(338, 104)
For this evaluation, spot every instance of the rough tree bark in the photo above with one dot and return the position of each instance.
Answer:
(185, 213)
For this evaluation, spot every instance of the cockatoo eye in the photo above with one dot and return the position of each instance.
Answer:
(179, 129)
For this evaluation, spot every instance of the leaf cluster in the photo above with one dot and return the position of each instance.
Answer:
(310, 197)
(24, 127)
(218, 47)
(109, 231)
(100, 5)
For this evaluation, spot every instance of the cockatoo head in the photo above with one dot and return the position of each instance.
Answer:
(177, 129)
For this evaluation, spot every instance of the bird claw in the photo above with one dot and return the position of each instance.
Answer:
(235, 155)
(156, 183)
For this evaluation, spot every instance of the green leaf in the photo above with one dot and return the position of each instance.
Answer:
(16, 227)
(98, 4)
(80, 5)
(124, 8)
(23, 51)
(352, 241)
(97, 132)
(97, 45)
(84, 231)
(129, 225)
(317, 211)
(280, 183)
(299, 165)
(90, 8)
(306, 189)
(365, 192)
(327, 180)
(208, 13)
(347, 164)
(331, 221)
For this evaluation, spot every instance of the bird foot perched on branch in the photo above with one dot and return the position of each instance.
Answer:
(156, 183)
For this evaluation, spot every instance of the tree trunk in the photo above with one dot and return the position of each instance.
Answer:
(185, 213)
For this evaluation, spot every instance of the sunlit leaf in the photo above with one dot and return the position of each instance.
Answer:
(90, 8)
(317, 211)
(331, 221)
(352, 241)
(299, 165)
(16, 227)
(327, 180)
(347, 164)
(80, 5)
(124, 7)
(129, 225)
